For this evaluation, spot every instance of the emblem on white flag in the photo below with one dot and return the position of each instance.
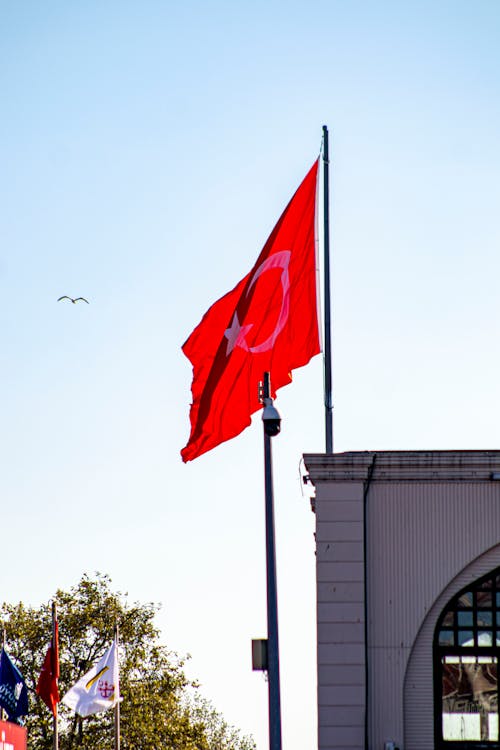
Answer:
(99, 689)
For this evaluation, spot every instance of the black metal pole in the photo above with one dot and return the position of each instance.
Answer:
(327, 300)
(55, 666)
(117, 704)
(3, 713)
(273, 667)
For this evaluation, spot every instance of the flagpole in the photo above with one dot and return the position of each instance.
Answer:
(54, 655)
(117, 704)
(4, 640)
(327, 300)
(271, 421)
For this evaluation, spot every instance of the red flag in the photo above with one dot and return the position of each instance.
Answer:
(267, 323)
(47, 682)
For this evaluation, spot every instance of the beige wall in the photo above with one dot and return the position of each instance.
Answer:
(340, 614)
(430, 517)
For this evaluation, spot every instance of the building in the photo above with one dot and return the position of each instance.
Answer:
(408, 599)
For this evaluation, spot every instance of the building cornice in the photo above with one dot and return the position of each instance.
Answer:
(404, 466)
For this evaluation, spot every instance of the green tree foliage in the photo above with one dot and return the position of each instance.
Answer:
(160, 707)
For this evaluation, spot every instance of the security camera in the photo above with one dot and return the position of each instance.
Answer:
(271, 419)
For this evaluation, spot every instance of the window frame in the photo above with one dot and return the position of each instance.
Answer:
(485, 600)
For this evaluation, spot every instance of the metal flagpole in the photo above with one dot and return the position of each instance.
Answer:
(117, 704)
(54, 665)
(327, 301)
(3, 713)
(271, 421)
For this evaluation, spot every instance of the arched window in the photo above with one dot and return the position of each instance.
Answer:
(466, 651)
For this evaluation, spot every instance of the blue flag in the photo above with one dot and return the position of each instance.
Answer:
(13, 690)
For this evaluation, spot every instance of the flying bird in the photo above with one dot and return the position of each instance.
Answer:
(73, 300)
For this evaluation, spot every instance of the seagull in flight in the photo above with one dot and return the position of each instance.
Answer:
(73, 300)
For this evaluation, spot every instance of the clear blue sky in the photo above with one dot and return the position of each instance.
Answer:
(146, 151)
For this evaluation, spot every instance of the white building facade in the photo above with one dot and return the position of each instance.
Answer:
(408, 599)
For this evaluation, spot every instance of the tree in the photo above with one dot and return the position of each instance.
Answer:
(157, 711)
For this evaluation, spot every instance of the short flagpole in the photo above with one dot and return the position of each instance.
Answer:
(271, 421)
(4, 641)
(117, 704)
(54, 655)
(327, 300)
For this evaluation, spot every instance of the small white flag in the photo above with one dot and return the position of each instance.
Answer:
(97, 690)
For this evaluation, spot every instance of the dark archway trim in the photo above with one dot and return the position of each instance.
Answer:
(466, 649)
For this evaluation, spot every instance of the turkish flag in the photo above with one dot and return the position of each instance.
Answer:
(267, 323)
(47, 682)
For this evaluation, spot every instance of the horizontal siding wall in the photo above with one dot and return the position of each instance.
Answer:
(340, 616)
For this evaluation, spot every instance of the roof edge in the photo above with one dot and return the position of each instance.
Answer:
(399, 466)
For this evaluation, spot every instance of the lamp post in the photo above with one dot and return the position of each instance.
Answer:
(272, 425)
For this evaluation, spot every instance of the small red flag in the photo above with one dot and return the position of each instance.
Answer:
(267, 323)
(47, 682)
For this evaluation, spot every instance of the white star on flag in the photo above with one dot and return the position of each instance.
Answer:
(99, 689)
(236, 335)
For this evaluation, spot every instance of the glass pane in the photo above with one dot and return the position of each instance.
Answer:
(448, 620)
(497, 596)
(486, 585)
(446, 638)
(466, 599)
(493, 726)
(484, 619)
(465, 618)
(466, 638)
(469, 701)
(484, 599)
(468, 660)
(485, 638)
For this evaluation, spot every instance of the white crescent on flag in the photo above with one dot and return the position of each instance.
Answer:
(236, 334)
